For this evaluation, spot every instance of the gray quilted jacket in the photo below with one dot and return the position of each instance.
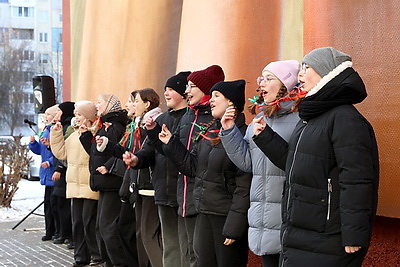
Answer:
(266, 189)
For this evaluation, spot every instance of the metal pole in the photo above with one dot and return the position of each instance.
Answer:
(21, 221)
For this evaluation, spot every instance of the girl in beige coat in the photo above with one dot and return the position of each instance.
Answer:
(84, 200)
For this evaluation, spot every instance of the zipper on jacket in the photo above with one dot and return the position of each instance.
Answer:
(282, 252)
(329, 199)
(289, 176)
(196, 112)
(292, 165)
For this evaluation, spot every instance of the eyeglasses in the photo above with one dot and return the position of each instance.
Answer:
(267, 80)
(190, 86)
(304, 67)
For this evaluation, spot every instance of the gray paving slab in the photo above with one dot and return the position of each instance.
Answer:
(23, 246)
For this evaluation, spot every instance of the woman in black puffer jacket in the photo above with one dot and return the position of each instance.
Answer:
(221, 190)
(111, 124)
(331, 164)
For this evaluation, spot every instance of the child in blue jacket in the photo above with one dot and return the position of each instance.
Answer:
(46, 172)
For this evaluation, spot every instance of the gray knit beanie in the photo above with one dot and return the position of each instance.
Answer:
(324, 60)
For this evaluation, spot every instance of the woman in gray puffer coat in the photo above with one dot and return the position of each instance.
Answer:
(264, 214)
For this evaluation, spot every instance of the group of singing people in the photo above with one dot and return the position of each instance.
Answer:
(195, 186)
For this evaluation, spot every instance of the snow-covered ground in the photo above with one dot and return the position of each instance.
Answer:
(28, 196)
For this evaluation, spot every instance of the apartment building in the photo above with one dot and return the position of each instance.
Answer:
(30, 44)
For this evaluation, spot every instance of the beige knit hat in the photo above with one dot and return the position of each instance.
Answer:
(52, 110)
(87, 109)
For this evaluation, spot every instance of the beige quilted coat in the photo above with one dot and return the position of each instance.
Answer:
(78, 175)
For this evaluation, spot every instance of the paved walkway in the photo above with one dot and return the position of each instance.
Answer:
(25, 248)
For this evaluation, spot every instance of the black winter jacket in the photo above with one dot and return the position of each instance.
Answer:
(165, 173)
(98, 181)
(133, 179)
(220, 187)
(332, 170)
(187, 131)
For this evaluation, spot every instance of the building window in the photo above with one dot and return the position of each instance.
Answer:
(43, 16)
(22, 12)
(44, 58)
(26, 99)
(27, 76)
(28, 55)
(43, 37)
(22, 34)
(60, 17)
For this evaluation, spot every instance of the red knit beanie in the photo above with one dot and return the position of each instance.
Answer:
(205, 79)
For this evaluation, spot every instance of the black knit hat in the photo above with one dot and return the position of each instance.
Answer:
(178, 82)
(234, 91)
(67, 109)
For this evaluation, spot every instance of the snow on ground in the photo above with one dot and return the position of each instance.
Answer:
(29, 195)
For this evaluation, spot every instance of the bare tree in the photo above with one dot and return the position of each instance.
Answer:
(14, 160)
(16, 70)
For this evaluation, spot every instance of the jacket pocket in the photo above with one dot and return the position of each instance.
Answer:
(308, 207)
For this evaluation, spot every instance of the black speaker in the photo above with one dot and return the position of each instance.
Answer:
(44, 92)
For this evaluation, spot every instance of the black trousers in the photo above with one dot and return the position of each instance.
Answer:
(110, 244)
(84, 214)
(63, 217)
(127, 233)
(148, 231)
(270, 260)
(209, 244)
(50, 212)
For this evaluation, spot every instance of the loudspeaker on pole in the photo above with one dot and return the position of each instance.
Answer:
(44, 92)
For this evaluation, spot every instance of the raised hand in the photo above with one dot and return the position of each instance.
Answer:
(45, 141)
(228, 119)
(99, 140)
(165, 135)
(83, 127)
(150, 123)
(259, 125)
(130, 159)
(57, 126)
(107, 125)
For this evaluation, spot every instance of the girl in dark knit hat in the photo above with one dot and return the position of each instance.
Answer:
(197, 116)
(221, 190)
